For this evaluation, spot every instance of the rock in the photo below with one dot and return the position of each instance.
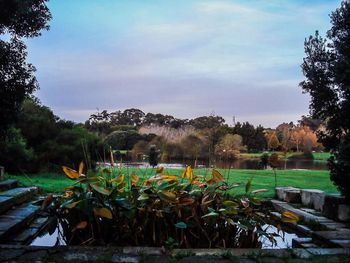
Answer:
(292, 196)
(281, 192)
(312, 198)
(318, 200)
(344, 213)
(331, 205)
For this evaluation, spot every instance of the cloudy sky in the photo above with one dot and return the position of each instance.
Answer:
(186, 58)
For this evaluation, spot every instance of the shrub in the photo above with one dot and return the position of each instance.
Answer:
(107, 207)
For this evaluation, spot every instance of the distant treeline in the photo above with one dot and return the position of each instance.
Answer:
(41, 141)
(198, 138)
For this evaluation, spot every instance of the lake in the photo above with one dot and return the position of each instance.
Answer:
(238, 164)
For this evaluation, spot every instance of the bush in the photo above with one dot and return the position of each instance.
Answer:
(15, 156)
(192, 211)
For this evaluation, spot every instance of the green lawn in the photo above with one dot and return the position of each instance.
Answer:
(318, 156)
(261, 179)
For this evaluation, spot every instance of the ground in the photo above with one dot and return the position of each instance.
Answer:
(50, 182)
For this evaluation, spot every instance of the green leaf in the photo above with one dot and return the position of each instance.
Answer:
(143, 197)
(181, 225)
(211, 214)
(229, 203)
(248, 185)
(101, 190)
(70, 204)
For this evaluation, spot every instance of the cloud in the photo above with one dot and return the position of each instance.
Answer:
(184, 58)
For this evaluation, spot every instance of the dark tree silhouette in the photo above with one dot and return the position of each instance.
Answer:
(18, 18)
(153, 156)
(327, 71)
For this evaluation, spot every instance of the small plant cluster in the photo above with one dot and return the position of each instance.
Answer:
(186, 211)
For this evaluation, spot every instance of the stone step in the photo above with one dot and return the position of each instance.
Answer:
(16, 219)
(7, 184)
(29, 233)
(299, 242)
(15, 196)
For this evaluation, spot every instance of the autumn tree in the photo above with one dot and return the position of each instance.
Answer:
(272, 140)
(326, 68)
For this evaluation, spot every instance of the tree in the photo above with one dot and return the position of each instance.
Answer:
(230, 146)
(25, 18)
(123, 140)
(272, 140)
(326, 68)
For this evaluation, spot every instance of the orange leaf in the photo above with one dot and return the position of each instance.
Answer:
(81, 225)
(103, 212)
(134, 179)
(81, 167)
(70, 173)
(217, 177)
(289, 217)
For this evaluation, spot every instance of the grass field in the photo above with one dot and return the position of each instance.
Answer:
(318, 156)
(261, 179)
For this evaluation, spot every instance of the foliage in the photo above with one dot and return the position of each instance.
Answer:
(272, 140)
(17, 19)
(15, 145)
(48, 141)
(229, 146)
(16, 80)
(193, 147)
(123, 140)
(108, 207)
(326, 68)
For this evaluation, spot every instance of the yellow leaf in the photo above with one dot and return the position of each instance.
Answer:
(70, 173)
(160, 170)
(169, 177)
(118, 180)
(167, 196)
(72, 205)
(217, 177)
(289, 217)
(134, 179)
(81, 167)
(103, 212)
(146, 183)
(188, 173)
(81, 225)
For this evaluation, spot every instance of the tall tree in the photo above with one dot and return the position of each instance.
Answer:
(18, 18)
(327, 71)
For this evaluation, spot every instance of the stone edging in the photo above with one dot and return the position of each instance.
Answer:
(11, 253)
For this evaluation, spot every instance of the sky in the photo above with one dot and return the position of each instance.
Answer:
(185, 58)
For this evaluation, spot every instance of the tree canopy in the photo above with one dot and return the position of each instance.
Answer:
(18, 18)
(327, 71)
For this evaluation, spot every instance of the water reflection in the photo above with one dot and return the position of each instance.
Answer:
(237, 164)
(284, 240)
